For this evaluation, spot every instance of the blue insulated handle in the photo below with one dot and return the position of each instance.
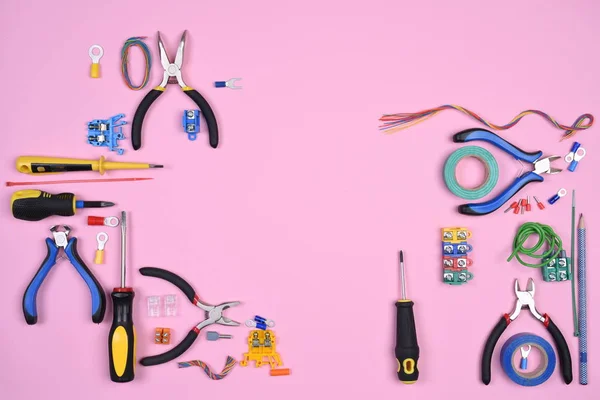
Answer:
(573, 166)
(497, 202)
(98, 296)
(523, 364)
(29, 298)
(470, 135)
(553, 199)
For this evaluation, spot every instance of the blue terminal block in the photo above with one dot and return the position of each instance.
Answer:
(107, 133)
(191, 123)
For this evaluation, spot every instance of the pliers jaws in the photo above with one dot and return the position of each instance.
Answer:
(525, 300)
(543, 166)
(60, 237)
(214, 314)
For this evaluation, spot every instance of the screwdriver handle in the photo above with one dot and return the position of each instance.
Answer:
(53, 165)
(407, 348)
(121, 339)
(35, 205)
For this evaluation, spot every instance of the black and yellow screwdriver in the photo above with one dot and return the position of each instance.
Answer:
(51, 165)
(35, 205)
(407, 348)
(121, 339)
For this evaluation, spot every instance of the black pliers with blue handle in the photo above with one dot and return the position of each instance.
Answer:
(541, 166)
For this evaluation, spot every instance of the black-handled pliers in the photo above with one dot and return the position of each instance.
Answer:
(214, 315)
(525, 299)
(172, 74)
(59, 241)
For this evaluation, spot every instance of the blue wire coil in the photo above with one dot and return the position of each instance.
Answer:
(537, 376)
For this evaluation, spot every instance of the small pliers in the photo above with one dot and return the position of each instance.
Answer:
(172, 74)
(214, 315)
(525, 300)
(59, 241)
(541, 166)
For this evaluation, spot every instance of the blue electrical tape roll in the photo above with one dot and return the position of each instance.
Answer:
(541, 373)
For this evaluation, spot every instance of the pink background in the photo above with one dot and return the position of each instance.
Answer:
(301, 211)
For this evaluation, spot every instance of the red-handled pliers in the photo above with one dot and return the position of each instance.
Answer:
(172, 74)
(525, 299)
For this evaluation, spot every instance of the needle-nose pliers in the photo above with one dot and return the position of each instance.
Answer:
(525, 300)
(59, 241)
(541, 166)
(214, 315)
(172, 74)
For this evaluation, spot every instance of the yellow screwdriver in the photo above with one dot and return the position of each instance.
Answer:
(121, 339)
(407, 348)
(51, 165)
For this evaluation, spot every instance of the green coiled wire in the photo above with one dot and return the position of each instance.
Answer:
(546, 235)
(491, 172)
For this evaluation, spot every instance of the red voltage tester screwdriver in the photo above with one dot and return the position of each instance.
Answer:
(407, 348)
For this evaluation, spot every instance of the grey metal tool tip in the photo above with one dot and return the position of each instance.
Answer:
(107, 204)
(156, 166)
(401, 256)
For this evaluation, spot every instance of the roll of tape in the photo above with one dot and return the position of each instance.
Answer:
(537, 376)
(491, 172)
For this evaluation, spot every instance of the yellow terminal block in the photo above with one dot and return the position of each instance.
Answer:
(262, 349)
(455, 235)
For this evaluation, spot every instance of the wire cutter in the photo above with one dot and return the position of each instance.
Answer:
(541, 166)
(214, 315)
(172, 74)
(525, 300)
(59, 241)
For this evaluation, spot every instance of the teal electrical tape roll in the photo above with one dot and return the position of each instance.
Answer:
(491, 172)
(537, 376)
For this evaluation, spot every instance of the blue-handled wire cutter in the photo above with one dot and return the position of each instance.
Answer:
(59, 241)
(541, 166)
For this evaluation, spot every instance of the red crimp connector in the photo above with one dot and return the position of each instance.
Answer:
(95, 220)
(540, 205)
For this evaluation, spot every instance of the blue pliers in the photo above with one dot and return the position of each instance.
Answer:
(69, 245)
(541, 166)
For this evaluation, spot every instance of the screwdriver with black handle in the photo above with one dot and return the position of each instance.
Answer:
(407, 348)
(35, 205)
(121, 339)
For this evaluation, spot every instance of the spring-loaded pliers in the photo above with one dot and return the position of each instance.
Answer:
(541, 166)
(172, 74)
(59, 241)
(525, 300)
(214, 315)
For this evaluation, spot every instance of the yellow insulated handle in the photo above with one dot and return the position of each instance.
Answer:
(52, 165)
(99, 258)
(95, 70)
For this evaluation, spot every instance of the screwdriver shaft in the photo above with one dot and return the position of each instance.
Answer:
(123, 247)
(402, 277)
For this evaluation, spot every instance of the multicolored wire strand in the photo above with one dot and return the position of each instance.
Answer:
(229, 364)
(396, 122)
(129, 43)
